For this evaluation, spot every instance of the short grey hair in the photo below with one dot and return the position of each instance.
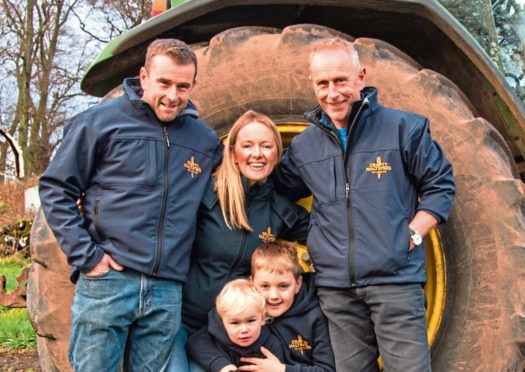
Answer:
(336, 42)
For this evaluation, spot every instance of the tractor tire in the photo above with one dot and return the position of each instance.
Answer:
(49, 297)
(481, 323)
(482, 326)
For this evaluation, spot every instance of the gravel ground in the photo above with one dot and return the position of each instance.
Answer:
(19, 361)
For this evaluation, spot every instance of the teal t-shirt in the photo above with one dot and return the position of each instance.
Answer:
(327, 122)
(342, 135)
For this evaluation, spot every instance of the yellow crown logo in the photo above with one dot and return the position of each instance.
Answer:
(378, 167)
(192, 167)
(299, 344)
(267, 236)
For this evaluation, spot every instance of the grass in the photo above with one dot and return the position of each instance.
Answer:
(15, 328)
(11, 268)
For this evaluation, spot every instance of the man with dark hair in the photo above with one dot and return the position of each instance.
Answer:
(178, 50)
(380, 184)
(143, 161)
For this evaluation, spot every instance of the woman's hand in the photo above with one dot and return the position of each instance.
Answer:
(269, 364)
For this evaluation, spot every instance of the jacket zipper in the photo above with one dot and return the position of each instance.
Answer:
(242, 249)
(348, 211)
(160, 230)
(346, 160)
(240, 255)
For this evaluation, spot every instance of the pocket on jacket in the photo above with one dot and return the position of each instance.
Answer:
(96, 220)
(322, 177)
(129, 161)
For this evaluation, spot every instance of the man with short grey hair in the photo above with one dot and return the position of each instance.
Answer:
(366, 165)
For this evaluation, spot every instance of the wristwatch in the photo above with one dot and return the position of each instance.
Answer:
(416, 238)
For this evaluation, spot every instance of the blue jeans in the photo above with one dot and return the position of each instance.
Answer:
(123, 317)
(377, 319)
(179, 361)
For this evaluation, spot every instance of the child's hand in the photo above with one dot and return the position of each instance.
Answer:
(269, 364)
(228, 368)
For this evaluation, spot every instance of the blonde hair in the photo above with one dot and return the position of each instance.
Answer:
(277, 257)
(237, 295)
(334, 43)
(228, 184)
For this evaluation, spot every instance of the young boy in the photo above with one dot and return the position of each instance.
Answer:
(292, 303)
(235, 330)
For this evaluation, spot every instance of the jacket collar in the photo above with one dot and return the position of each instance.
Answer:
(259, 190)
(305, 300)
(133, 90)
(368, 97)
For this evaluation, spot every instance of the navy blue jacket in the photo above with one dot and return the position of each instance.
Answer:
(213, 350)
(220, 254)
(365, 197)
(143, 181)
(303, 331)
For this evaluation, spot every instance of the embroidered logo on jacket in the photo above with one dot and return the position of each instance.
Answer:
(267, 236)
(192, 167)
(299, 344)
(378, 167)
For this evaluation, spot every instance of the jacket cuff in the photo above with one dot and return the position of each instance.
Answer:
(218, 363)
(90, 262)
(439, 218)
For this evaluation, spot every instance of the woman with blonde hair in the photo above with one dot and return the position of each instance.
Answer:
(229, 183)
(240, 210)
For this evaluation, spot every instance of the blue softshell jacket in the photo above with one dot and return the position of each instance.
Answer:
(303, 331)
(365, 196)
(213, 350)
(143, 181)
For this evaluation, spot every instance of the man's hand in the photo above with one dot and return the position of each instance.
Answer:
(423, 222)
(80, 204)
(103, 266)
(269, 364)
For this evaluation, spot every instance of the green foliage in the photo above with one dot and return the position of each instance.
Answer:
(16, 260)
(16, 331)
(11, 273)
(11, 268)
